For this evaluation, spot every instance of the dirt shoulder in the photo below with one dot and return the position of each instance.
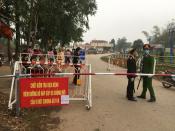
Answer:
(36, 119)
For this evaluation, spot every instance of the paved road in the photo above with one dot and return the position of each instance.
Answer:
(112, 112)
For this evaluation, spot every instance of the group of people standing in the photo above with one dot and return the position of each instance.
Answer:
(147, 66)
(76, 57)
(60, 55)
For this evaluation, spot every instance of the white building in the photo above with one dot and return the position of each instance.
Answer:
(101, 45)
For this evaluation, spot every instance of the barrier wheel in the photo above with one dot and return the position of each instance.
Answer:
(88, 107)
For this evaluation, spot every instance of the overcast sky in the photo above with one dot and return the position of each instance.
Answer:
(118, 18)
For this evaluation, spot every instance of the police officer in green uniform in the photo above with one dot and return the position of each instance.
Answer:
(148, 67)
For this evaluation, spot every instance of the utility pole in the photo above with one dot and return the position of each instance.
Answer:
(171, 30)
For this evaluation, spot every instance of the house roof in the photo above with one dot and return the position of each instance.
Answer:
(99, 41)
(157, 46)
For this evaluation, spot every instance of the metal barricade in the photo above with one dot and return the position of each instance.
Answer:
(116, 60)
(111, 63)
(27, 57)
(81, 91)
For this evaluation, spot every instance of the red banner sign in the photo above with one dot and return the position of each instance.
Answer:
(43, 92)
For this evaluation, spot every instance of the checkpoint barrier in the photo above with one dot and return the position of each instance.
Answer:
(48, 70)
(16, 76)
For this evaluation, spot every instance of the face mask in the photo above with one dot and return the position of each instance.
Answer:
(146, 52)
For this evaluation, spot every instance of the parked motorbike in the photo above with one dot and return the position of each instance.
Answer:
(0, 61)
(168, 81)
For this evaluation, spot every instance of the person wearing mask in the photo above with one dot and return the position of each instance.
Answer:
(36, 53)
(60, 58)
(67, 56)
(77, 67)
(50, 54)
(148, 67)
(37, 50)
(131, 68)
(30, 50)
(82, 55)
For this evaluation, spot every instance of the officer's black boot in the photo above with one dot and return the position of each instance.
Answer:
(142, 97)
(153, 99)
(132, 99)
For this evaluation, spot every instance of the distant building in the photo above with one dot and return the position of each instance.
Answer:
(87, 46)
(84, 46)
(157, 49)
(101, 45)
(157, 46)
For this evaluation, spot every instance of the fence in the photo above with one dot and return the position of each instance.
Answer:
(116, 60)
(162, 62)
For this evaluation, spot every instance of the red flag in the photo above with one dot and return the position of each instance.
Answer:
(5, 31)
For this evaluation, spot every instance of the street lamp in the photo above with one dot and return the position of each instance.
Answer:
(171, 30)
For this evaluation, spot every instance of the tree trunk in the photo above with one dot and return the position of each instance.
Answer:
(30, 23)
(8, 50)
(36, 26)
(44, 43)
(8, 42)
(17, 29)
(28, 34)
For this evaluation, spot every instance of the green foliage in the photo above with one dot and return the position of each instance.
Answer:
(112, 42)
(122, 44)
(158, 36)
(146, 34)
(62, 21)
(138, 44)
(164, 38)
